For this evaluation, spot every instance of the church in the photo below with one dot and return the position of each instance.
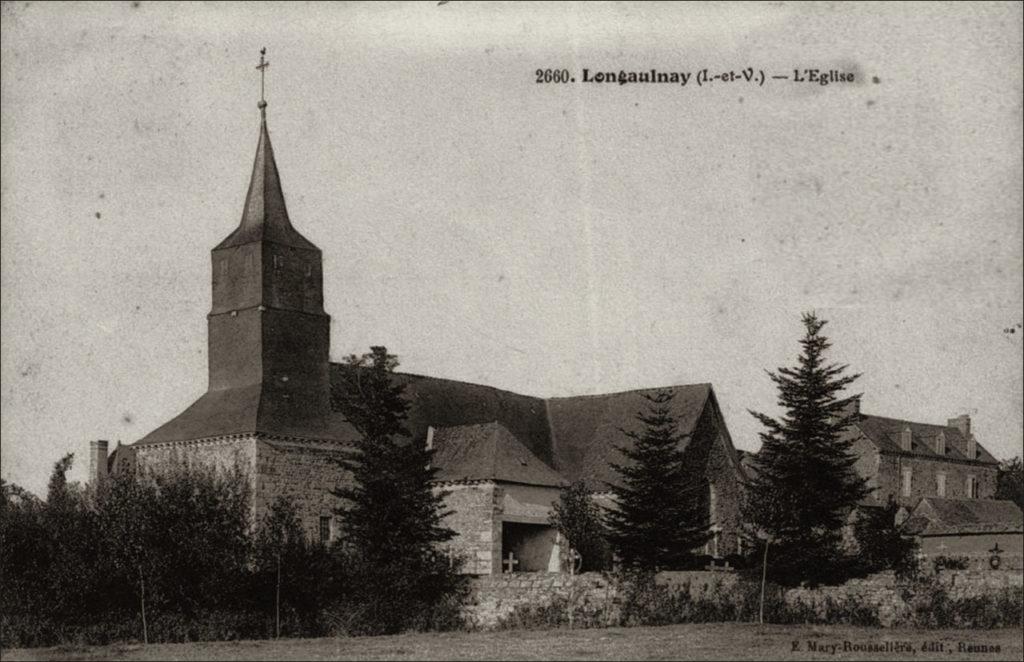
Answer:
(502, 457)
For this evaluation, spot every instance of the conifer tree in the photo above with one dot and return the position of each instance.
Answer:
(803, 485)
(660, 516)
(391, 515)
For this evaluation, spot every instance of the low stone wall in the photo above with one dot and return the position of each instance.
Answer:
(496, 597)
(882, 592)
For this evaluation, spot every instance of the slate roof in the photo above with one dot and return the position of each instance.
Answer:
(885, 433)
(939, 516)
(586, 429)
(265, 217)
(225, 412)
(488, 451)
(566, 438)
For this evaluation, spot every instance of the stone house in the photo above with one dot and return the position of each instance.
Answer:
(907, 460)
(502, 456)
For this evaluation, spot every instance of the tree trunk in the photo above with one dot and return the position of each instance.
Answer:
(142, 600)
(764, 576)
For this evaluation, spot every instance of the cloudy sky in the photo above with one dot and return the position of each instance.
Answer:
(551, 239)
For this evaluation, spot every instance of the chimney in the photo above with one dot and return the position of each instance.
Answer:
(98, 460)
(962, 423)
(969, 446)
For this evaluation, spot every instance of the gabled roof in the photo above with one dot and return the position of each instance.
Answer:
(939, 516)
(885, 433)
(265, 217)
(488, 451)
(587, 429)
(563, 439)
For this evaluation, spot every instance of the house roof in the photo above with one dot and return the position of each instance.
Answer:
(488, 451)
(885, 433)
(939, 516)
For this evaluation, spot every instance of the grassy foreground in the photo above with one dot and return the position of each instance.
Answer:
(718, 641)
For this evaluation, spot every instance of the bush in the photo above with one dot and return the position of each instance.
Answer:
(932, 606)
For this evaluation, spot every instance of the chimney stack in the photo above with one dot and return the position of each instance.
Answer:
(962, 423)
(98, 460)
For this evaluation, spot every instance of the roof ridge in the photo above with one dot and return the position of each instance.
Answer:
(907, 420)
(705, 385)
(545, 399)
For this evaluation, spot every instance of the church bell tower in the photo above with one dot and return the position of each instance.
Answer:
(267, 328)
(268, 334)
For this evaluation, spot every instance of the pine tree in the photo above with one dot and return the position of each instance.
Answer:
(803, 486)
(660, 515)
(392, 518)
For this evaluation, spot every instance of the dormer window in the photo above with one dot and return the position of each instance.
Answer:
(940, 443)
(278, 261)
(972, 448)
(906, 439)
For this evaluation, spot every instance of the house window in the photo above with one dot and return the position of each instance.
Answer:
(325, 529)
(972, 487)
(940, 484)
(908, 475)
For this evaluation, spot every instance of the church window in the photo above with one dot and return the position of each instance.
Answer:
(908, 475)
(325, 529)
(940, 484)
(712, 503)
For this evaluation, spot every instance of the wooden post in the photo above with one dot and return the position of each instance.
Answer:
(142, 598)
(277, 601)
(764, 575)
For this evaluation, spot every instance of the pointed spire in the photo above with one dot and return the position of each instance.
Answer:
(265, 217)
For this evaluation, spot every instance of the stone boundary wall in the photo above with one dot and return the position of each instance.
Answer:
(495, 598)
(882, 592)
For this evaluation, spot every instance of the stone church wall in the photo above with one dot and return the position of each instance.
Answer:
(304, 472)
(478, 530)
(223, 454)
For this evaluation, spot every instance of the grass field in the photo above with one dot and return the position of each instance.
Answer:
(719, 641)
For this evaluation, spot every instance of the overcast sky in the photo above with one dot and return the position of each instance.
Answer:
(547, 239)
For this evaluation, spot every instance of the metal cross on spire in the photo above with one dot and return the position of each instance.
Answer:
(262, 66)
